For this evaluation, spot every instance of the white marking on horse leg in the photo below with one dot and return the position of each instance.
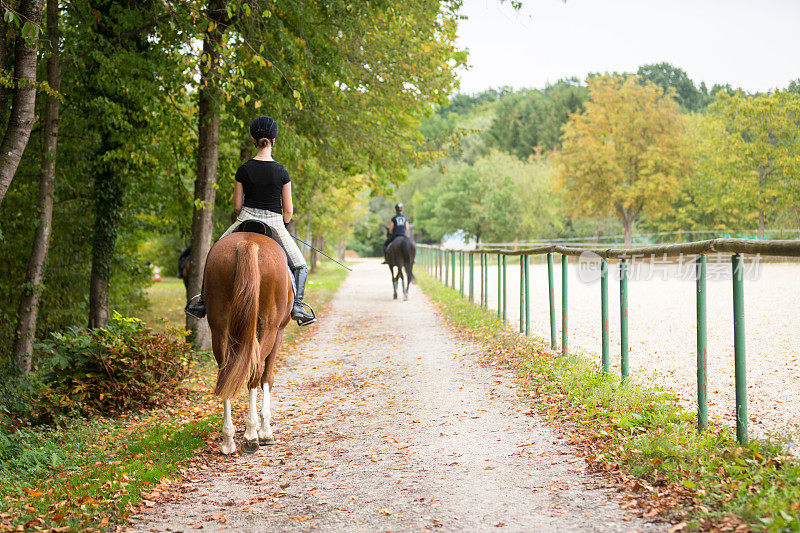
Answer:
(265, 431)
(228, 446)
(251, 426)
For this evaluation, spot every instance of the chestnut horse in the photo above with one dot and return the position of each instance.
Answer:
(249, 299)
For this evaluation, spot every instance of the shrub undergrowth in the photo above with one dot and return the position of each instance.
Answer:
(123, 367)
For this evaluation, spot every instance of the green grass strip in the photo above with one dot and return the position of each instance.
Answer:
(642, 432)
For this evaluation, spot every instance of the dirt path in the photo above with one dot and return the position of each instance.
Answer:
(385, 421)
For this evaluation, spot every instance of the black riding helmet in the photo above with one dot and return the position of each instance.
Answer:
(398, 207)
(263, 127)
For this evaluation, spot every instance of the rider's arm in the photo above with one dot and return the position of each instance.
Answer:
(391, 227)
(408, 231)
(238, 197)
(286, 202)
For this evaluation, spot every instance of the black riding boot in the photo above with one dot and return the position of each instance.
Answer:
(298, 311)
(196, 308)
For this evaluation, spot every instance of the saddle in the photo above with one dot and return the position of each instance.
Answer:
(256, 226)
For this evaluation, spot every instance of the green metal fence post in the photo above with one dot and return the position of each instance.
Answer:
(453, 268)
(604, 312)
(505, 292)
(471, 278)
(465, 281)
(446, 267)
(486, 281)
(553, 345)
(623, 316)
(499, 286)
(461, 272)
(738, 349)
(521, 294)
(564, 303)
(483, 289)
(702, 403)
(526, 260)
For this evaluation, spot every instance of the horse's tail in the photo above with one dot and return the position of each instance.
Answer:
(241, 360)
(409, 264)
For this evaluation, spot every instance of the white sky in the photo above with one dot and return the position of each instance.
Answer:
(752, 44)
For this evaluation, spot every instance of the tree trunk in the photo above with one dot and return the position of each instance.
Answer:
(207, 160)
(23, 101)
(29, 303)
(312, 260)
(3, 50)
(109, 192)
(305, 250)
(761, 179)
(341, 248)
(627, 226)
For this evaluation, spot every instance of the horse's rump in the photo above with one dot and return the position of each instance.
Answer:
(401, 253)
(248, 295)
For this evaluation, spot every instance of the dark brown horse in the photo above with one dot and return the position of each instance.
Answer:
(249, 301)
(400, 255)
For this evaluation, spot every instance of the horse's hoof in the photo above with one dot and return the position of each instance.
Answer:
(250, 446)
(395, 297)
(265, 437)
(405, 297)
(228, 449)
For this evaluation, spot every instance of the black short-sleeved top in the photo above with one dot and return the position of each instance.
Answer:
(399, 224)
(263, 183)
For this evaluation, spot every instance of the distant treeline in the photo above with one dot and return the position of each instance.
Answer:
(649, 151)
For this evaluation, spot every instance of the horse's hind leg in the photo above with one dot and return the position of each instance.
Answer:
(402, 280)
(228, 446)
(394, 281)
(267, 379)
(250, 443)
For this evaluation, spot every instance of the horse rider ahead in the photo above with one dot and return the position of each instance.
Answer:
(398, 227)
(263, 191)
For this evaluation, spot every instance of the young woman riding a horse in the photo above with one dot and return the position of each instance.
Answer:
(248, 289)
(263, 191)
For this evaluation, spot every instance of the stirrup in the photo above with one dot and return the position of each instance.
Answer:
(192, 311)
(306, 321)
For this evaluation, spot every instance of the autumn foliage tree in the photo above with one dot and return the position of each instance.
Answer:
(624, 154)
(751, 153)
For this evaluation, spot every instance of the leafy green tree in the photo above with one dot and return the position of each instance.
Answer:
(23, 81)
(531, 121)
(29, 302)
(671, 78)
(624, 154)
(120, 58)
(496, 198)
(751, 154)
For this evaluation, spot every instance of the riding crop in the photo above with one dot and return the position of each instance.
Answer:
(321, 252)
